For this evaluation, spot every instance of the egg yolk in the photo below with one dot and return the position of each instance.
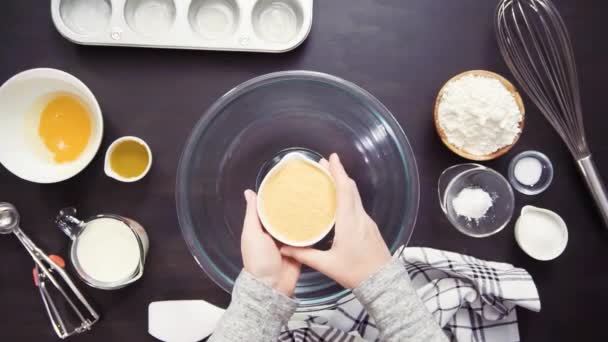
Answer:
(65, 128)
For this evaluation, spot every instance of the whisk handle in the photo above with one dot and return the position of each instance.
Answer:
(595, 185)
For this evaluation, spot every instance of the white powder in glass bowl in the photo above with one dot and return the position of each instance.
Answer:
(472, 203)
(479, 115)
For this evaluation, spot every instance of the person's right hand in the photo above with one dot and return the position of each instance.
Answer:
(358, 250)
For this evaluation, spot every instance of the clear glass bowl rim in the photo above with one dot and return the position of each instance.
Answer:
(387, 118)
(478, 168)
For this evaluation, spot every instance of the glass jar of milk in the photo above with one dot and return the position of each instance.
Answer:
(108, 251)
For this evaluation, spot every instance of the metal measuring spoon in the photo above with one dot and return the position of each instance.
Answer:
(9, 223)
(9, 218)
(47, 268)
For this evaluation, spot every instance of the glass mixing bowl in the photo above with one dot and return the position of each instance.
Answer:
(250, 125)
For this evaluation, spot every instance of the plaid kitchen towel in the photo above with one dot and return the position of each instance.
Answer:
(471, 299)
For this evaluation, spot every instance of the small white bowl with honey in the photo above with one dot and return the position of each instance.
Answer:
(50, 125)
(128, 159)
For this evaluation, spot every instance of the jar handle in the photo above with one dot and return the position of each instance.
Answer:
(68, 223)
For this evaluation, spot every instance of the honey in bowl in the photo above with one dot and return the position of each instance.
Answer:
(129, 159)
(65, 128)
(297, 202)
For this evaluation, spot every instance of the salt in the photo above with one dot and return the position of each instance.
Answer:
(472, 203)
(528, 171)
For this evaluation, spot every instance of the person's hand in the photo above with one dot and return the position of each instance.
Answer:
(358, 249)
(261, 255)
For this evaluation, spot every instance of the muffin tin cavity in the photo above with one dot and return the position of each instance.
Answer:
(277, 21)
(85, 17)
(233, 25)
(214, 19)
(150, 17)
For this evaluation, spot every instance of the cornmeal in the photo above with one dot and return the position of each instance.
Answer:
(299, 201)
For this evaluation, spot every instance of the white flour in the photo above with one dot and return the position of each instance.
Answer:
(472, 203)
(479, 115)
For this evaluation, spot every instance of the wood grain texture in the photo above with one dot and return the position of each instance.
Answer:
(400, 51)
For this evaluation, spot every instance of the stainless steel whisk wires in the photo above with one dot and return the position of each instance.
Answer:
(535, 44)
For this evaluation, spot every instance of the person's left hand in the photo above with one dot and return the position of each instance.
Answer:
(261, 255)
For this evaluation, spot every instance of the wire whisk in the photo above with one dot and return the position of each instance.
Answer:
(535, 44)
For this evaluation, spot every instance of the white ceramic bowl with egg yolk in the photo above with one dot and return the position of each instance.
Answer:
(21, 101)
(265, 222)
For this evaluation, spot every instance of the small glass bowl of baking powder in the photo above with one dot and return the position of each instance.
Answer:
(477, 200)
(530, 172)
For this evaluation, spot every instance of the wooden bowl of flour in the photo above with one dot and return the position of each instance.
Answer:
(460, 151)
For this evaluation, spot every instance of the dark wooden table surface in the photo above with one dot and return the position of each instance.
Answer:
(401, 51)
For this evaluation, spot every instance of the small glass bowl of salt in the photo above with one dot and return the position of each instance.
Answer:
(530, 172)
(477, 200)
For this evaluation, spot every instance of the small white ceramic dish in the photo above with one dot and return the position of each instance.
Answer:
(108, 169)
(233, 25)
(264, 220)
(541, 233)
(22, 99)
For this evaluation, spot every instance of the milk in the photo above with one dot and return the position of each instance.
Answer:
(108, 250)
(541, 233)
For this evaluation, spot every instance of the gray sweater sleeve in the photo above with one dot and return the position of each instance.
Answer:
(256, 313)
(400, 315)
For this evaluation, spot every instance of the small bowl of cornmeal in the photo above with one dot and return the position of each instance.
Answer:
(297, 201)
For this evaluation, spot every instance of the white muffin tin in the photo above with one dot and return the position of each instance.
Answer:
(234, 25)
